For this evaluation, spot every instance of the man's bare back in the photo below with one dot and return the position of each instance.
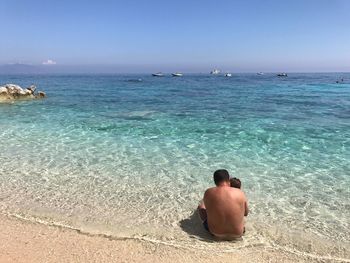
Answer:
(225, 210)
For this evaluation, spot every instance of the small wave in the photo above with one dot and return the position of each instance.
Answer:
(134, 80)
(203, 246)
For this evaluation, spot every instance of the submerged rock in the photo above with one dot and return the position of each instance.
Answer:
(11, 92)
(41, 94)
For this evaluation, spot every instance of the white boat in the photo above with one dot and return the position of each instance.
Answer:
(260, 73)
(158, 74)
(282, 75)
(177, 74)
(215, 72)
(228, 75)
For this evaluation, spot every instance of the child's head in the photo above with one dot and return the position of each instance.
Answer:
(235, 182)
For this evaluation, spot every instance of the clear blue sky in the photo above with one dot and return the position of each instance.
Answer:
(193, 35)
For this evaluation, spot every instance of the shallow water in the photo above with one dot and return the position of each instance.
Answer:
(128, 158)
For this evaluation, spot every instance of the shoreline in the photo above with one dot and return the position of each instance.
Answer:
(26, 241)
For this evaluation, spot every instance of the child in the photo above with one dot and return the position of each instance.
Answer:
(235, 182)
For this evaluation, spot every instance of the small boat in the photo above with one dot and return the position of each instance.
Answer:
(177, 74)
(215, 72)
(282, 75)
(260, 73)
(158, 74)
(228, 75)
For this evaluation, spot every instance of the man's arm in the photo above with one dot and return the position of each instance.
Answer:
(202, 211)
(246, 211)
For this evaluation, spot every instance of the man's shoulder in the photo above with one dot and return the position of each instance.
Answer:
(210, 190)
(237, 192)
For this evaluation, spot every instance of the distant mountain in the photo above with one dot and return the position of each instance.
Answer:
(61, 69)
(20, 69)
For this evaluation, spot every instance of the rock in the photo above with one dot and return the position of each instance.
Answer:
(41, 94)
(11, 92)
(3, 90)
(32, 89)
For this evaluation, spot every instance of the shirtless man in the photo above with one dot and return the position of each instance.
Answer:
(223, 208)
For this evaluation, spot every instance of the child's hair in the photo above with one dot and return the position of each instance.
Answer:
(235, 182)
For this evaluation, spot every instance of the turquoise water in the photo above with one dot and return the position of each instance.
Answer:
(109, 154)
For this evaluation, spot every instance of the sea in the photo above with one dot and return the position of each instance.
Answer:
(130, 156)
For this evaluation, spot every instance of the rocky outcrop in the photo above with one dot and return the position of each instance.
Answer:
(11, 92)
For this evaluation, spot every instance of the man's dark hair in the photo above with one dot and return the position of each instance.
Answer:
(235, 182)
(221, 176)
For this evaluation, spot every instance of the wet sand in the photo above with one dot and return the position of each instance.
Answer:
(23, 241)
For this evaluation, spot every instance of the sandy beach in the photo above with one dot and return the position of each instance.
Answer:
(32, 242)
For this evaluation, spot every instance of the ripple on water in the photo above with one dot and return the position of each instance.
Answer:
(137, 163)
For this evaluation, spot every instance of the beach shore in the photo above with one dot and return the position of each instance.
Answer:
(23, 241)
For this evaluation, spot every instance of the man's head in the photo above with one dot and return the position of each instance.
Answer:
(221, 176)
(235, 182)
